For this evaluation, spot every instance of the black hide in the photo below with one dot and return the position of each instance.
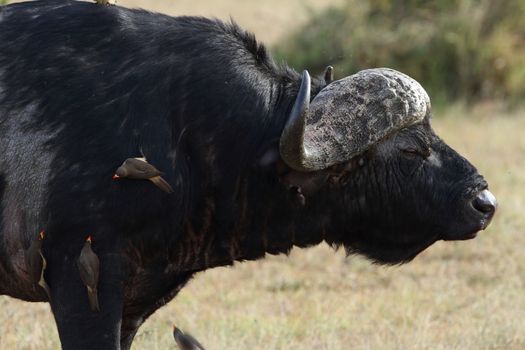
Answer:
(84, 86)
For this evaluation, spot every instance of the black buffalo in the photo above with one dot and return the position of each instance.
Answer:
(260, 159)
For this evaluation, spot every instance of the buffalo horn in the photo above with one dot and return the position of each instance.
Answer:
(349, 116)
(292, 138)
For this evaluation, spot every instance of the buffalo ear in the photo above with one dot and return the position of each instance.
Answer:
(304, 183)
(298, 183)
(301, 185)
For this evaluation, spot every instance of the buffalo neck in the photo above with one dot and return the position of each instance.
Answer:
(255, 222)
(247, 213)
(226, 209)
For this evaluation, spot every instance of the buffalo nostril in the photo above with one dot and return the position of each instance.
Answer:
(485, 202)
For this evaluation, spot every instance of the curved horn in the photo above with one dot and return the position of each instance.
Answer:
(349, 116)
(291, 144)
(329, 74)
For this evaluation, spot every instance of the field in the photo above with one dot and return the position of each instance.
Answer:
(467, 295)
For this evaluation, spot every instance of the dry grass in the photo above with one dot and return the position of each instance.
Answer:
(270, 19)
(467, 295)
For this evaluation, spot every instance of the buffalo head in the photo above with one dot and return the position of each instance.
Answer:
(366, 144)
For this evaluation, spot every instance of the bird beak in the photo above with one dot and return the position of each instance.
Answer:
(115, 177)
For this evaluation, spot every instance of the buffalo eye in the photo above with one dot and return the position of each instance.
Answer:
(416, 152)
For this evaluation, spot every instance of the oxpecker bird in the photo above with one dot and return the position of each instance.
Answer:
(88, 267)
(105, 2)
(140, 169)
(36, 263)
(186, 341)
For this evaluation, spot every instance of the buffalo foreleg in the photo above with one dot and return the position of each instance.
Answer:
(138, 310)
(80, 327)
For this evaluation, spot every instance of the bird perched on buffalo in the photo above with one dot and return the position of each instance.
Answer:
(105, 2)
(139, 169)
(186, 341)
(36, 263)
(88, 268)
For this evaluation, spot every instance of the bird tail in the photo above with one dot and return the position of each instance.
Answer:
(162, 184)
(93, 300)
(186, 341)
(176, 332)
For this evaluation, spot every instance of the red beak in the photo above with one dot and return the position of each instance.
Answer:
(115, 177)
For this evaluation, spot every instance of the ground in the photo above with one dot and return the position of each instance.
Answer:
(463, 295)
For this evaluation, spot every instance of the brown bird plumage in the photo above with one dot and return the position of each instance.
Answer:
(88, 268)
(140, 169)
(36, 263)
(186, 341)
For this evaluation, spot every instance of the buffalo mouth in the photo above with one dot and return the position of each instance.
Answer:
(397, 245)
(480, 211)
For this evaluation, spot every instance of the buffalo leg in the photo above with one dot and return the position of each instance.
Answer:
(79, 327)
(135, 315)
(130, 327)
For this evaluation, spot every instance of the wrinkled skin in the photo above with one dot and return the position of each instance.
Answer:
(84, 87)
(420, 188)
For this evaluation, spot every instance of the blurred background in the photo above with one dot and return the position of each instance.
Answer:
(470, 56)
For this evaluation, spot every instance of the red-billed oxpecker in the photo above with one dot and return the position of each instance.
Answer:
(88, 268)
(186, 341)
(140, 169)
(36, 263)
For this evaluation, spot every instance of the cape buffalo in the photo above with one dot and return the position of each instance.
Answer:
(259, 157)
